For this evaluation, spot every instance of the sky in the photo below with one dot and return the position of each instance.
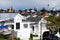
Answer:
(26, 4)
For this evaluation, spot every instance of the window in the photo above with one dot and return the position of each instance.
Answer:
(12, 26)
(25, 25)
(33, 28)
(17, 25)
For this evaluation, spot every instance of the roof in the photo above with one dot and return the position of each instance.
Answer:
(44, 15)
(33, 19)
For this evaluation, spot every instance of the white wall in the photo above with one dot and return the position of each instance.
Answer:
(16, 20)
(22, 32)
(42, 27)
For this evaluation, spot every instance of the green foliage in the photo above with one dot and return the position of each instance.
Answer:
(35, 35)
(31, 37)
(17, 38)
(54, 22)
(2, 39)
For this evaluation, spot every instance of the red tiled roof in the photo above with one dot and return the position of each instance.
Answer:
(44, 15)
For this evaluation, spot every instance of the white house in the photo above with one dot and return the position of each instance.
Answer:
(22, 26)
(26, 27)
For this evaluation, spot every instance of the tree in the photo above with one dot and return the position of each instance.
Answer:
(54, 22)
(43, 10)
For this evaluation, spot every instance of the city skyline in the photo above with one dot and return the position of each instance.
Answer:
(26, 4)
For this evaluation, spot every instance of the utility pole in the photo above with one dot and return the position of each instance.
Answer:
(12, 34)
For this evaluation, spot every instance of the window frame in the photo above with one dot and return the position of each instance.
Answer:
(18, 25)
(25, 25)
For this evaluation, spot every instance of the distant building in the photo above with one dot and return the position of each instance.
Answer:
(58, 14)
(10, 10)
(44, 15)
(2, 11)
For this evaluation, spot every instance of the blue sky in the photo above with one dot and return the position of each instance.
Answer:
(26, 4)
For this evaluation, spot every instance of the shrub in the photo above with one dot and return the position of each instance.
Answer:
(35, 35)
(17, 38)
(31, 37)
(2, 39)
